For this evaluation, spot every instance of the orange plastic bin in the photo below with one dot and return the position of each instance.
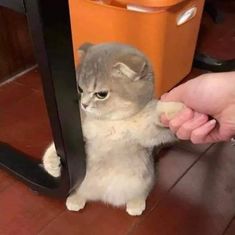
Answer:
(165, 30)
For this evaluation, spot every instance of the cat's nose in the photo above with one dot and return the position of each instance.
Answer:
(84, 106)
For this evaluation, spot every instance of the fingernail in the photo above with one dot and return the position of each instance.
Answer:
(212, 122)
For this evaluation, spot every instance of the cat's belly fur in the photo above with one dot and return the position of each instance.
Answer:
(119, 161)
(119, 175)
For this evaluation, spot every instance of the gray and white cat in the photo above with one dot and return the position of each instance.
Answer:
(120, 121)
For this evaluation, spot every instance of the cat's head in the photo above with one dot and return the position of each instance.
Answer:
(115, 80)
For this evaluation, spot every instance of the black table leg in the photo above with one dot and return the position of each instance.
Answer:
(204, 61)
(49, 22)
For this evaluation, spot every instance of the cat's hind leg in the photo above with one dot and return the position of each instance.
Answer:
(136, 206)
(75, 202)
(51, 161)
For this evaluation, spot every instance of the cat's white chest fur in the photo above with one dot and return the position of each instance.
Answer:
(143, 128)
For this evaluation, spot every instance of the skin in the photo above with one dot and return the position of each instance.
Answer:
(209, 116)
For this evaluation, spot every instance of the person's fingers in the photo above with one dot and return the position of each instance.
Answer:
(185, 131)
(202, 135)
(180, 119)
(220, 133)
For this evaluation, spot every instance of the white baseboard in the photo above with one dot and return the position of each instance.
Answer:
(18, 75)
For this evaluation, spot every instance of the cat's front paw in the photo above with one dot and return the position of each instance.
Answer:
(135, 207)
(75, 203)
(170, 109)
(51, 162)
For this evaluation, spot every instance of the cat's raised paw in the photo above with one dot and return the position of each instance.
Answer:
(170, 109)
(75, 203)
(135, 207)
(51, 162)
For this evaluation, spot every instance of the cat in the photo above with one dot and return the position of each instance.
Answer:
(120, 123)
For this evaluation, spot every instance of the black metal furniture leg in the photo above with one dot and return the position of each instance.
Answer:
(49, 22)
(204, 61)
(213, 10)
(207, 62)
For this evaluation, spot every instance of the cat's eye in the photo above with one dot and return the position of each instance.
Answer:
(80, 89)
(101, 94)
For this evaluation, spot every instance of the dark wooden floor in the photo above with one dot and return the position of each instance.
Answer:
(193, 195)
(194, 192)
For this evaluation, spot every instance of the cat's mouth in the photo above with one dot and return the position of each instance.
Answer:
(88, 109)
(92, 111)
(84, 106)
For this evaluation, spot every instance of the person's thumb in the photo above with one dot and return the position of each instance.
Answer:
(176, 94)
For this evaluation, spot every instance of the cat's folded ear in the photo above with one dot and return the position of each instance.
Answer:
(134, 67)
(82, 50)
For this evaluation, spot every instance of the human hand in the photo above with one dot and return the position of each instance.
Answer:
(207, 95)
